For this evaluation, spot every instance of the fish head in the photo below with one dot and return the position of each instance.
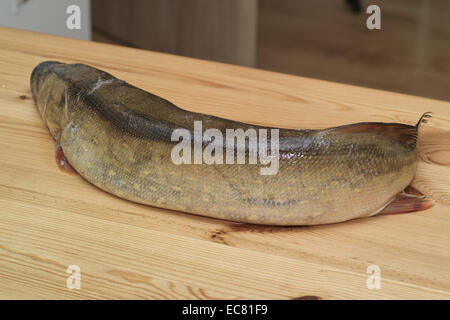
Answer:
(49, 90)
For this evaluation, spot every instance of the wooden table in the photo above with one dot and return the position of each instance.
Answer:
(50, 220)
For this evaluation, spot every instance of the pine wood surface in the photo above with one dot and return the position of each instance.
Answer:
(50, 220)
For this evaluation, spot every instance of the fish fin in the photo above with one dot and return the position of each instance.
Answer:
(402, 133)
(62, 161)
(409, 200)
(424, 119)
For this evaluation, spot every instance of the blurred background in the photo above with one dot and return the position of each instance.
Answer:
(324, 39)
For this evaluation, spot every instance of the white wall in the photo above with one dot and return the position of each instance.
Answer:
(47, 16)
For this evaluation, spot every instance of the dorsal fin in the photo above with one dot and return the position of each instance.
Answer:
(402, 133)
(424, 119)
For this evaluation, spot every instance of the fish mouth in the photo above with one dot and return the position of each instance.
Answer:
(39, 74)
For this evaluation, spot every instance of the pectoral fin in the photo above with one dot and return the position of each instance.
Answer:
(409, 200)
(62, 162)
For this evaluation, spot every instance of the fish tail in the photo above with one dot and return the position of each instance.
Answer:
(424, 119)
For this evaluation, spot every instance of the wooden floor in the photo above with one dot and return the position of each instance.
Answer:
(50, 220)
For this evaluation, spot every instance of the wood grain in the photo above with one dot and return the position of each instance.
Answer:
(50, 220)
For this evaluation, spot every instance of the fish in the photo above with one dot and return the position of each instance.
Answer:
(120, 139)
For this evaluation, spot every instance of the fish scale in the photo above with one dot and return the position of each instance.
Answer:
(117, 137)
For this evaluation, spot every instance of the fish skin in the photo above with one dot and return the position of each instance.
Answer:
(117, 137)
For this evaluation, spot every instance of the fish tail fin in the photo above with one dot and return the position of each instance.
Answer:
(424, 119)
